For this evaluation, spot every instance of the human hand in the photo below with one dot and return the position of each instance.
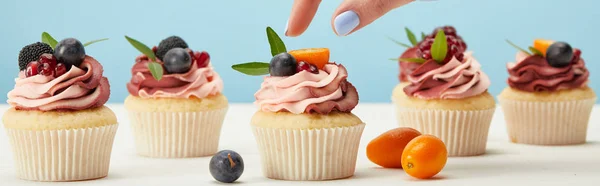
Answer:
(349, 17)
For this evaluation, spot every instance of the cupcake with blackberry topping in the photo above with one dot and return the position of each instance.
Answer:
(304, 126)
(58, 125)
(548, 101)
(175, 104)
(447, 95)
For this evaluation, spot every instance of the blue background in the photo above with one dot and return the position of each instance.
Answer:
(234, 32)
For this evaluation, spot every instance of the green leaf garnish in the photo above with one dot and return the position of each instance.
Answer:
(156, 70)
(142, 48)
(411, 36)
(517, 47)
(252, 68)
(399, 43)
(277, 45)
(94, 41)
(413, 60)
(535, 51)
(439, 48)
(423, 36)
(48, 39)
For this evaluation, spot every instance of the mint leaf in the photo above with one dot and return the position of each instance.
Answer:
(48, 39)
(275, 41)
(517, 47)
(413, 60)
(142, 48)
(252, 68)
(156, 70)
(535, 51)
(94, 41)
(439, 49)
(423, 36)
(411, 36)
(399, 43)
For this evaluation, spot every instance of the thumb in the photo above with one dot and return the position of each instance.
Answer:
(352, 15)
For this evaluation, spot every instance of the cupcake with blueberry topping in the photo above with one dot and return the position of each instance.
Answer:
(548, 101)
(447, 95)
(175, 104)
(304, 126)
(58, 125)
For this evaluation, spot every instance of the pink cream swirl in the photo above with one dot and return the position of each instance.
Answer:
(80, 88)
(453, 80)
(306, 92)
(198, 82)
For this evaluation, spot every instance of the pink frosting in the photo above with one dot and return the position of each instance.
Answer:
(80, 88)
(306, 92)
(198, 82)
(453, 80)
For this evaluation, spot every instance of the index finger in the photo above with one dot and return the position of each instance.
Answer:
(302, 14)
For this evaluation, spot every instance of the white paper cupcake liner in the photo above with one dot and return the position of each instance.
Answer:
(62, 155)
(177, 134)
(547, 123)
(308, 154)
(464, 132)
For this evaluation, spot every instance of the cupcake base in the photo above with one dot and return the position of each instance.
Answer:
(62, 155)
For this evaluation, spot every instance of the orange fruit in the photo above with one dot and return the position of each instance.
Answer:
(424, 157)
(542, 45)
(386, 149)
(316, 56)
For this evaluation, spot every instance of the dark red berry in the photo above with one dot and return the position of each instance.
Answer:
(304, 66)
(448, 30)
(46, 69)
(202, 59)
(60, 70)
(576, 55)
(48, 58)
(154, 49)
(455, 49)
(32, 69)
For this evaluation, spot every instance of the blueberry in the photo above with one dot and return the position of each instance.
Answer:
(283, 64)
(559, 54)
(69, 51)
(226, 166)
(177, 60)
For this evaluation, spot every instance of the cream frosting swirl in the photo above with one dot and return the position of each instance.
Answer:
(197, 82)
(80, 88)
(453, 80)
(305, 92)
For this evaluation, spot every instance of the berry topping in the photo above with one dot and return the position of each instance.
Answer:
(177, 60)
(315, 56)
(448, 30)
(455, 49)
(226, 166)
(33, 52)
(576, 55)
(202, 59)
(70, 51)
(559, 54)
(542, 45)
(60, 69)
(32, 69)
(169, 43)
(48, 58)
(283, 64)
(308, 67)
(46, 69)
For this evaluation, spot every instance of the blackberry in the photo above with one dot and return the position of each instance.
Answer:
(33, 52)
(169, 43)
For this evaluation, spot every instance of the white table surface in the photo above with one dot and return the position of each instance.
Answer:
(504, 164)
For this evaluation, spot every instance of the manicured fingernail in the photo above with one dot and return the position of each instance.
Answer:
(346, 22)
(287, 23)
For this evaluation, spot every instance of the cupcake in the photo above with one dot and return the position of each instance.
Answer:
(447, 95)
(548, 101)
(58, 126)
(304, 126)
(175, 105)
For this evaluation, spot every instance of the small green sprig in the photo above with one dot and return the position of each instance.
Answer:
(532, 50)
(412, 38)
(262, 68)
(154, 67)
(439, 50)
(48, 39)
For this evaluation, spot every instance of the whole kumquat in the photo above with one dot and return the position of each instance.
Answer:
(386, 150)
(424, 157)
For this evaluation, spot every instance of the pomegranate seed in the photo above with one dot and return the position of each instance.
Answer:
(202, 58)
(32, 69)
(304, 66)
(154, 49)
(49, 59)
(46, 69)
(60, 70)
(576, 55)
